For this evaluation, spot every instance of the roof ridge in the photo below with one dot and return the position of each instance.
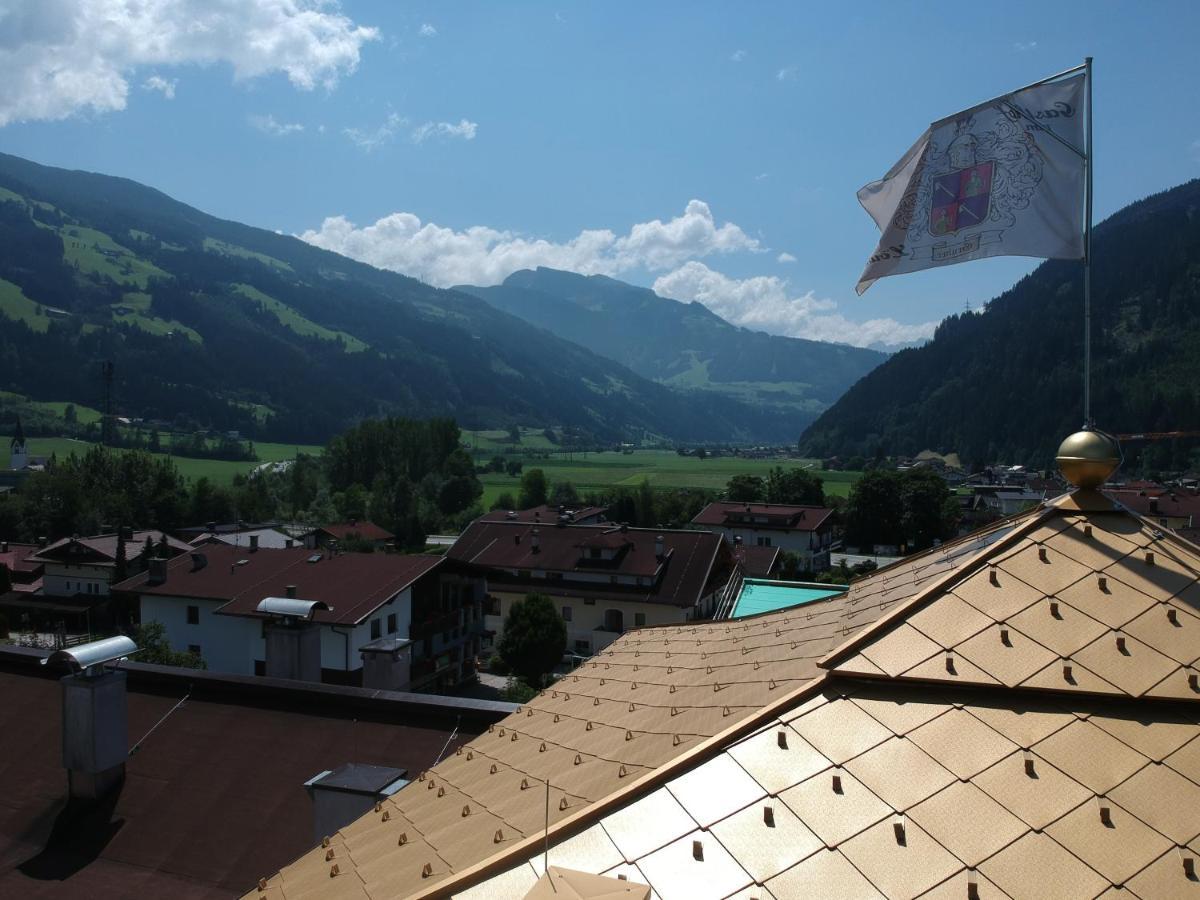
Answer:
(935, 588)
(457, 881)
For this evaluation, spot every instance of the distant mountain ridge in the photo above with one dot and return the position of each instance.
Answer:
(1006, 384)
(218, 324)
(684, 345)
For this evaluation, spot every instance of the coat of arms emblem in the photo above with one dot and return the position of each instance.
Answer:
(961, 198)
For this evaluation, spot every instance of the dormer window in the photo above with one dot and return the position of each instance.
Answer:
(594, 553)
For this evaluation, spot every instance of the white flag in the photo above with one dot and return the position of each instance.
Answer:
(1003, 179)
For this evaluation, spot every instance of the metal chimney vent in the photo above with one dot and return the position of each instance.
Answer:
(90, 658)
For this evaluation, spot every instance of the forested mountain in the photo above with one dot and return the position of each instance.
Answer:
(1006, 384)
(216, 324)
(683, 344)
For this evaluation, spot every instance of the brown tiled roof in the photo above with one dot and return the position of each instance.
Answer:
(17, 558)
(213, 799)
(102, 548)
(680, 577)
(655, 694)
(1159, 502)
(920, 733)
(544, 514)
(778, 515)
(354, 585)
(758, 562)
(368, 531)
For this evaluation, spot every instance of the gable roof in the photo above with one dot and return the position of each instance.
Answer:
(786, 517)
(367, 531)
(353, 585)
(101, 549)
(678, 577)
(885, 770)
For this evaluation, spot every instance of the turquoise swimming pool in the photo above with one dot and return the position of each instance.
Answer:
(760, 596)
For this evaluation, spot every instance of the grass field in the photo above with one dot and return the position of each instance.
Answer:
(663, 468)
(90, 250)
(15, 305)
(289, 318)
(220, 471)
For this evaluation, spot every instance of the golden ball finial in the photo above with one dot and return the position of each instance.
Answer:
(1088, 458)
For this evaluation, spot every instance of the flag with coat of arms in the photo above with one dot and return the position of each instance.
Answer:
(1005, 178)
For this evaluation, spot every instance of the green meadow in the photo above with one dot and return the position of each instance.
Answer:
(220, 471)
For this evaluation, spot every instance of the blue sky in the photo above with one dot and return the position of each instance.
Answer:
(459, 141)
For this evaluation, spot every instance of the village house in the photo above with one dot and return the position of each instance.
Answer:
(804, 530)
(1178, 510)
(426, 609)
(603, 579)
(89, 565)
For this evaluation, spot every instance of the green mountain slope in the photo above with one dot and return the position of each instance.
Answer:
(683, 344)
(1006, 384)
(211, 322)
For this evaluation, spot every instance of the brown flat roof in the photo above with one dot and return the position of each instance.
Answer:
(213, 799)
(354, 585)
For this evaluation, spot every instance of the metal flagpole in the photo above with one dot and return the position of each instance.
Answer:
(1087, 257)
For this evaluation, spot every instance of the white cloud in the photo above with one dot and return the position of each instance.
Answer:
(785, 258)
(482, 255)
(766, 303)
(428, 30)
(373, 139)
(1025, 46)
(268, 124)
(737, 56)
(762, 176)
(788, 73)
(62, 57)
(464, 129)
(166, 86)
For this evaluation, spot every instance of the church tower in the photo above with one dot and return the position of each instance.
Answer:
(18, 456)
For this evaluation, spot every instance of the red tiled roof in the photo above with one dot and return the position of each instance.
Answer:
(1159, 502)
(729, 513)
(368, 531)
(103, 547)
(353, 584)
(17, 558)
(679, 578)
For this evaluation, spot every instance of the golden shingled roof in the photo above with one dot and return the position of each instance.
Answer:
(1015, 711)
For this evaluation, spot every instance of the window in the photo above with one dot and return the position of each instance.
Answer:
(376, 629)
(392, 624)
(584, 647)
(639, 620)
(566, 613)
(587, 602)
(193, 615)
(764, 542)
(194, 649)
(594, 552)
